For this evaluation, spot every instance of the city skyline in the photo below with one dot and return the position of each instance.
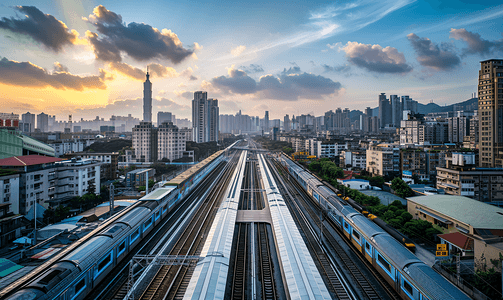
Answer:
(305, 58)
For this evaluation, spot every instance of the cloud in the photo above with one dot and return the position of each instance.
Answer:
(124, 107)
(476, 45)
(26, 74)
(238, 50)
(288, 85)
(165, 103)
(140, 41)
(184, 94)
(58, 67)
(155, 70)
(161, 71)
(127, 70)
(376, 58)
(292, 70)
(431, 55)
(336, 69)
(230, 105)
(252, 68)
(43, 28)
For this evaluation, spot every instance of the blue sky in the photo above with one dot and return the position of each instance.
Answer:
(287, 57)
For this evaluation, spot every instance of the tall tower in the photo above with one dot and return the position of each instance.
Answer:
(491, 113)
(147, 100)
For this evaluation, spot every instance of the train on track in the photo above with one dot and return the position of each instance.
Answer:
(407, 274)
(76, 273)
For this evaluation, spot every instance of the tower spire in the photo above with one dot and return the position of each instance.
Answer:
(147, 74)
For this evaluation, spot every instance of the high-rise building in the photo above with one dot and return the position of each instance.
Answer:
(147, 100)
(205, 118)
(171, 142)
(43, 122)
(145, 142)
(384, 110)
(28, 118)
(396, 110)
(491, 113)
(286, 123)
(266, 121)
(164, 117)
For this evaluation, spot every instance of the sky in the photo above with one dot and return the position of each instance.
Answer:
(89, 58)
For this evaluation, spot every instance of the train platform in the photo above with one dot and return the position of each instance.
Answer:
(302, 279)
(210, 275)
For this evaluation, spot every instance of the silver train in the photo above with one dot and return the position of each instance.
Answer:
(407, 274)
(78, 272)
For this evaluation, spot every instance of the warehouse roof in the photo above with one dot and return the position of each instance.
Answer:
(475, 213)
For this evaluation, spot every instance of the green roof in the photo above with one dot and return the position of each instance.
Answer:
(7, 267)
(475, 213)
(37, 146)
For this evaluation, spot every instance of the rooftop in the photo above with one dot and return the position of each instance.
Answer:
(460, 240)
(27, 160)
(475, 213)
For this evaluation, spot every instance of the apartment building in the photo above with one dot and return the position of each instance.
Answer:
(383, 159)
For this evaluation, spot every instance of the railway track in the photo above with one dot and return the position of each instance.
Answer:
(266, 264)
(116, 287)
(171, 281)
(314, 212)
(241, 263)
(335, 282)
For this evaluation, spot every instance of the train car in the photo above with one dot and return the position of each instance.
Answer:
(408, 275)
(78, 272)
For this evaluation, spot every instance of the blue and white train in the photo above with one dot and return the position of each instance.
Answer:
(74, 275)
(408, 275)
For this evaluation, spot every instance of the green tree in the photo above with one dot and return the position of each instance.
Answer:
(400, 188)
(49, 216)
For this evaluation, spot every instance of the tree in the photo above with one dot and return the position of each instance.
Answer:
(49, 216)
(401, 188)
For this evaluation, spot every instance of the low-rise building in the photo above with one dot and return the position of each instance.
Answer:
(50, 181)
(462, 177)
(110, 162)
(139, 177)
(353, 159)
(14, 143)
(10, 224)
(63, 147)
(9, 190)
(456, 213)
(383, 159)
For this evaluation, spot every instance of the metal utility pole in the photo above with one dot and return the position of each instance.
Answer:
(112, 196)
(146, 183)
(34, 242)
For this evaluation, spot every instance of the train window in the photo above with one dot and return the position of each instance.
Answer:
(158, 214)
(368, 249)
(346, 225)
(79, 287)
(121, 248)
(49, 277)
(135, 235)
(165, 208)
(103, 264)
(407, 288)
(147, 224)
(356, 234)
(383, 263)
